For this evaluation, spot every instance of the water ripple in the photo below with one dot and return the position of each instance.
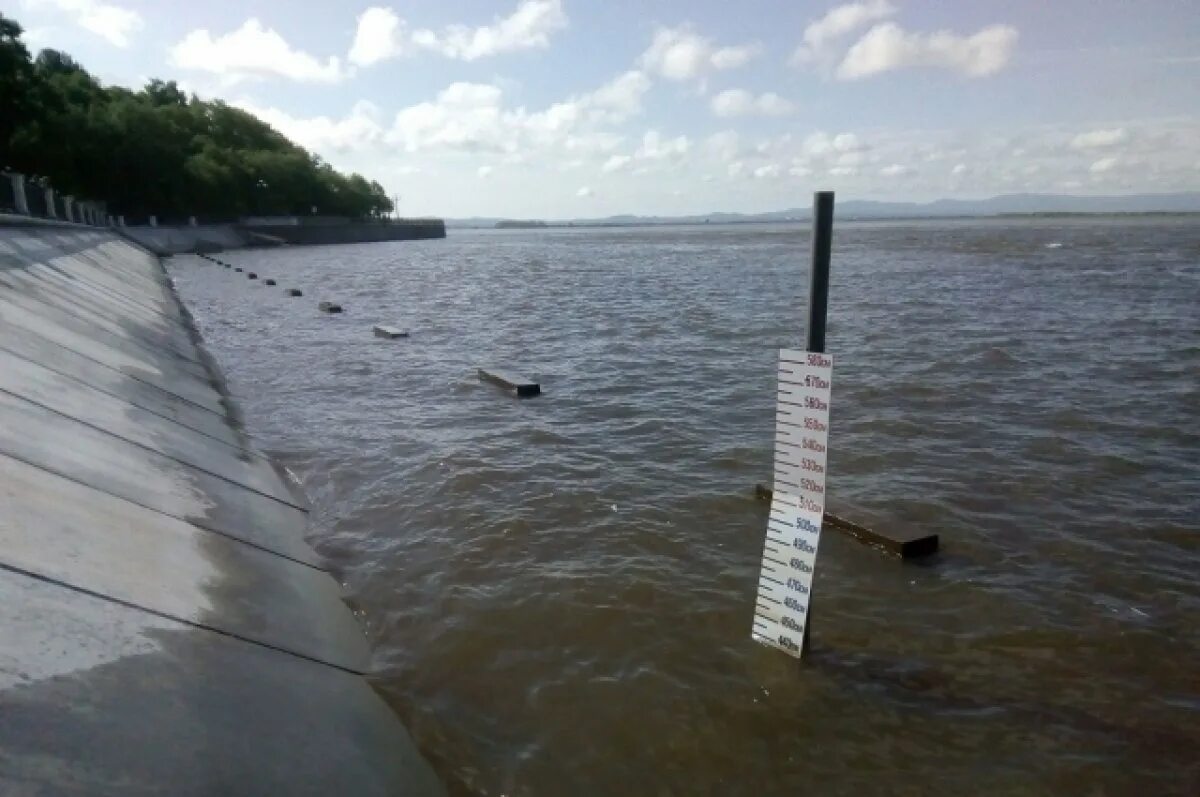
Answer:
(560, 590)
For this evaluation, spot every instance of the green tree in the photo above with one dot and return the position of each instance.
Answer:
(16, 86)
(157, 150)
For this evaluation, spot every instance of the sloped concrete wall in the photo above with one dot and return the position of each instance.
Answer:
(176, 240)
(353, 232)
(163, 626)
(220, 237)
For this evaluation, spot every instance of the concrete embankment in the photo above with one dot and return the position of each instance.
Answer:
(196, 240)
(164, 628)
(171, 240)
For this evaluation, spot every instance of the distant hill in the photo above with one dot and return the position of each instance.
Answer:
(520, 224)
(1031, 204)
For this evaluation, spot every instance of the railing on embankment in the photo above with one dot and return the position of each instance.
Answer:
(35, 198)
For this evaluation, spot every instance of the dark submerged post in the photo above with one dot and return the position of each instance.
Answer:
(818, 313)
(818, 285)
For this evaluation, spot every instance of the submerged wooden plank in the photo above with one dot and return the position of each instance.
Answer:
(525, 388)
(389, 332)
(904, 543)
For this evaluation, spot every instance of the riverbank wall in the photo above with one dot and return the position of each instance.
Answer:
(164, 627)
(36, 201)
(208, 238)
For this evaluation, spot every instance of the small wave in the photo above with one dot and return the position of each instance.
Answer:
(1072, 418)
(1117, 465)
(996, 357)
(1050, 448)
(1054, 245)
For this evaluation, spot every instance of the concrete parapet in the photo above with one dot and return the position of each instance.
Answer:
(20, 204)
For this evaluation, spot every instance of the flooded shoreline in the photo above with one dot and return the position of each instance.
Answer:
(559, 591)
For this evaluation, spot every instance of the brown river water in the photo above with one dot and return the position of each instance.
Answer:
(560, 590)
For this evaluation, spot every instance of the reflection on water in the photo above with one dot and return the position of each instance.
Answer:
(560, 590)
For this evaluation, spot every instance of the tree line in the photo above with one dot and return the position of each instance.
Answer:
(158, 151)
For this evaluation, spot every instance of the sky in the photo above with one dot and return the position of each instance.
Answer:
(578, 108)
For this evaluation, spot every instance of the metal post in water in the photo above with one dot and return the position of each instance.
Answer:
(818, 314)
(818, 284)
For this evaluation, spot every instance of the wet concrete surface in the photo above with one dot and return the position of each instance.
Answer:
(164, 627)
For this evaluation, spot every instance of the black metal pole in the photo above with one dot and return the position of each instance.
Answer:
(818, 284)
(818, 312)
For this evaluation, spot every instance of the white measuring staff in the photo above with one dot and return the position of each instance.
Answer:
(797, 501)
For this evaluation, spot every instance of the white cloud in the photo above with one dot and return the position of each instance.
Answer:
(724, 146)
(584, 192)
(362, 128)
(592, 143)
(821, 144)
(618, 99)
(251, 51)
(484, 172)
(1099, 139)
(680, 54)
(616, 163)
(114, 24)
(655, 153)
(959, 169)
(769, 171)
(733, 57)
(472, 117)
(843, 154)
(1103, 165)
(379, 36)
(739, 102)
(855, 158)
(655, 147)
(552, 123)
(465, 116)
(895, 170)
(820, 35)
(528, 27)
(888, 46)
